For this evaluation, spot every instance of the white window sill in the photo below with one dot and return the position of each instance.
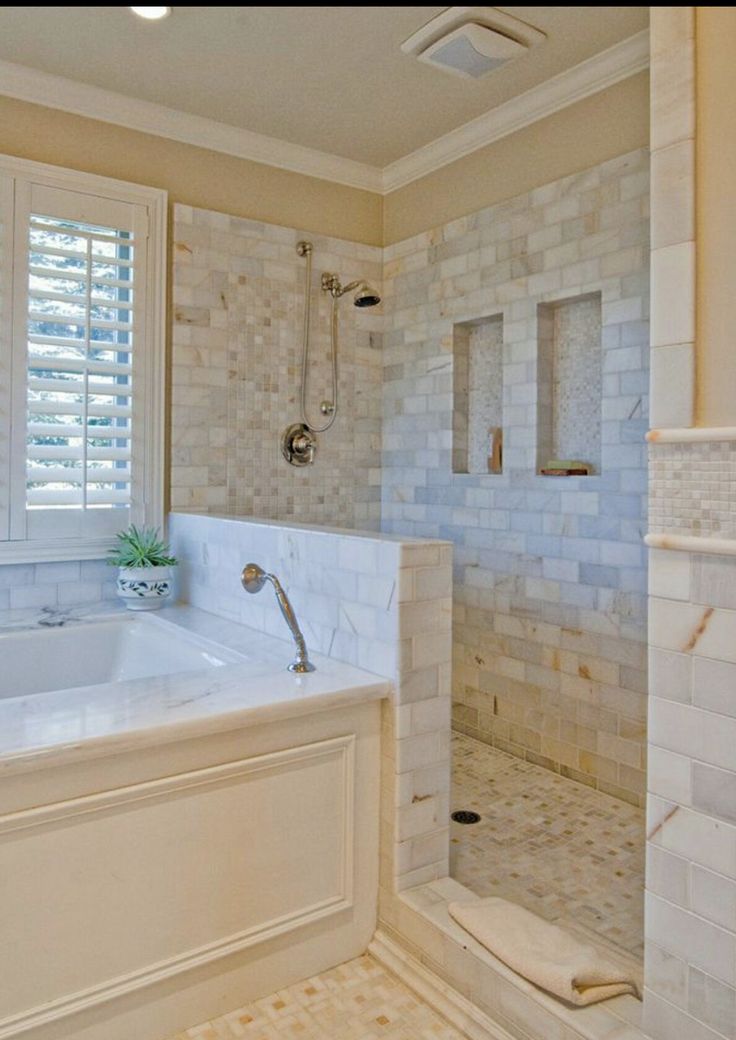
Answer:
(50, 551)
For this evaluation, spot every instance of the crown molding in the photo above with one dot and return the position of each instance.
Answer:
(602, 70)
(42, 88)
(589, 77)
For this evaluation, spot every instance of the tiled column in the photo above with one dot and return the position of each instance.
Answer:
(673, 216)
(691, 865)
(690, 923)
(416, 788)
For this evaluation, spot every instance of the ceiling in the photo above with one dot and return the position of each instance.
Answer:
(328, 78)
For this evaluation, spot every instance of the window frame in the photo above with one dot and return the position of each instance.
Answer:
(150, 361)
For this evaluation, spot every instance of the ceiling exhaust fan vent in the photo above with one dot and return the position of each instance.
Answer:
(472, 41)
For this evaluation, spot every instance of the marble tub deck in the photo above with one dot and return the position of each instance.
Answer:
(565, 851)
(79, 723)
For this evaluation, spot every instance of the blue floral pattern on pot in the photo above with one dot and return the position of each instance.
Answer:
(144, 588)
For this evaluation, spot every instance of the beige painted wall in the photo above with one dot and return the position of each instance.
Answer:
(608, 124)
(715, 199)
(593, 130)
(194, 176)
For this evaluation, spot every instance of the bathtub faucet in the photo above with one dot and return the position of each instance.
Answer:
(253, 579)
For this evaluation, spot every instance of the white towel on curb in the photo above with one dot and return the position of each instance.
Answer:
(550, 957)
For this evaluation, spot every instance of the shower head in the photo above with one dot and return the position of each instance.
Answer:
(366, 296)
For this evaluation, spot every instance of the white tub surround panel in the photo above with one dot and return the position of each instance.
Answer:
(238, 288)
(672, 100)
(550, 576)
(153, 815)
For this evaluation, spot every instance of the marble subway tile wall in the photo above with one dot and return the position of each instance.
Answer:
(691, 859)
(550, 578)
(672, 142)
(238, 294)
(690, 899)
(55, 587)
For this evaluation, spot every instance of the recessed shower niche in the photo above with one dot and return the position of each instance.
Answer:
(569, 374)
(477, 431)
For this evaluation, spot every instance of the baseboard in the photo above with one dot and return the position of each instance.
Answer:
(453, 1006)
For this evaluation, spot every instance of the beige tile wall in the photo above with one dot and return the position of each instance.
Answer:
(550, 578)
(237, 342)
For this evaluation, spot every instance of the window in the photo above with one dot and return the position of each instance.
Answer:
(81, 349)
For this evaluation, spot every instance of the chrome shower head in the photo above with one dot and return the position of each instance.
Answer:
(366, 296)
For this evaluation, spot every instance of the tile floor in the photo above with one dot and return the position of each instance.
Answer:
(359, 1000)
(563, 850)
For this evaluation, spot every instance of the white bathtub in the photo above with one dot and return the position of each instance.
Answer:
(108, 650)
(210, 832)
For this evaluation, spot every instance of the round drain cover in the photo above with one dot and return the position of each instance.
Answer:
(465, 816)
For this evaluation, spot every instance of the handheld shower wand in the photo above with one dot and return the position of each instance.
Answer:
(253, 579)
(298, 441)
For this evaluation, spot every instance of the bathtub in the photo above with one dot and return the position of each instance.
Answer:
(60, 655)
(206, 820)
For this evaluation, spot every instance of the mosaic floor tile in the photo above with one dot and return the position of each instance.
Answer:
(564, 851)
(355, 1001)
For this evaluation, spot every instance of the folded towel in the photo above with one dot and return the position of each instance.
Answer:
(547, 955)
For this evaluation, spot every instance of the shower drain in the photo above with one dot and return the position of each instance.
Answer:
(465, 816)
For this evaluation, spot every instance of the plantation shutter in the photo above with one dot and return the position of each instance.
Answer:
(79, 341)
(6, 318)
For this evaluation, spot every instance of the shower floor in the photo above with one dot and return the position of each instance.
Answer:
(561, 849)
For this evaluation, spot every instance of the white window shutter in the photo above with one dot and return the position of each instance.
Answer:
(6, 344)
(80, 342)
(82, 360)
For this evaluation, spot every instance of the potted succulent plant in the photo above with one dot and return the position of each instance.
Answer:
(144, 561)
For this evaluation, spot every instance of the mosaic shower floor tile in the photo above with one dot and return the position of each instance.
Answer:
(355, 1001)
(564, 851)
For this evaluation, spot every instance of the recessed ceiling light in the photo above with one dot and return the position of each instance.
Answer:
(152, 14)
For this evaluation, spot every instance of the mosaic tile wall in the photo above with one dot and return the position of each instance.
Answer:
(550, 581)
(478, 393)
(238, 290)
(692, 489)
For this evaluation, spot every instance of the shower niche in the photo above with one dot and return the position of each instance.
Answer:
(477, 433)
(570, 378)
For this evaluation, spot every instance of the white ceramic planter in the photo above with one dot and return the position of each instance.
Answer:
(144, 588)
